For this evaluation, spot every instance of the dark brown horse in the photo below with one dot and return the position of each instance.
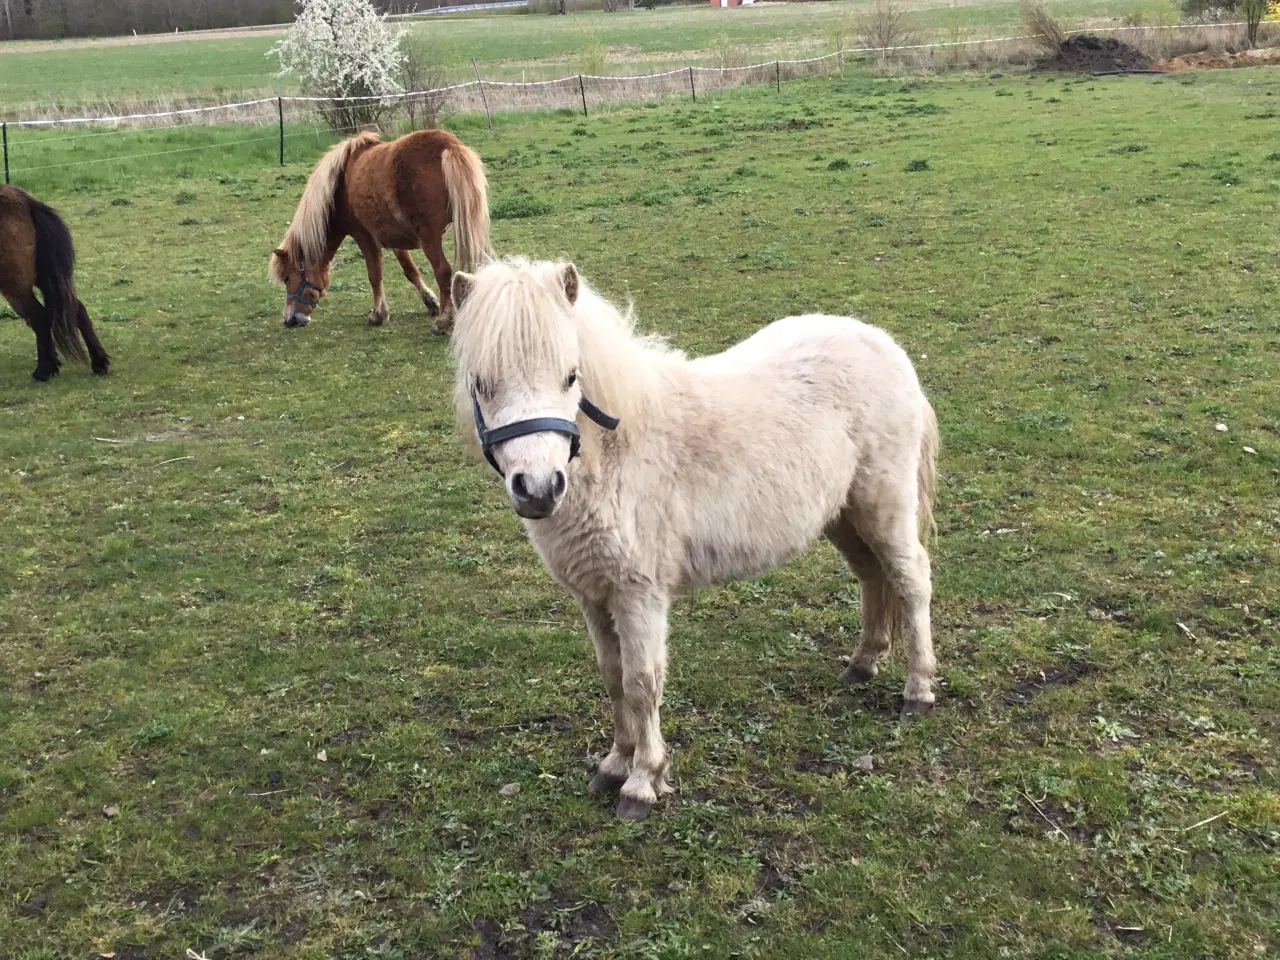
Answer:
(36, 253)
(402, 195)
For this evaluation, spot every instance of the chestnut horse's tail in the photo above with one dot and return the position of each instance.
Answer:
(55, 267)
(469, 203)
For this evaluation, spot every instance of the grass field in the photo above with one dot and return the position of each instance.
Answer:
(271, 649)
(506, 47)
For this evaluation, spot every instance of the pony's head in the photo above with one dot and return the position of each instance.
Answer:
(304, 283)
(516, 344)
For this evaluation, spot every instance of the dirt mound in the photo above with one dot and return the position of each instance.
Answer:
(1220, 60)
(1085, 53)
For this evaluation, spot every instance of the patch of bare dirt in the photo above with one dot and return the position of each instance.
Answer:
(1221, 60)
(1086, 53)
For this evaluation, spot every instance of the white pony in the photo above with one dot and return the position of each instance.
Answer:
(719, 468)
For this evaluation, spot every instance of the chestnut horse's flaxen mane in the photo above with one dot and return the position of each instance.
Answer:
(308, 234)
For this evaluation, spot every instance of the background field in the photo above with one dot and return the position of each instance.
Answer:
(508, 46)
(247, 546)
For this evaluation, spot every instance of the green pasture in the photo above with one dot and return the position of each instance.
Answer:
(269, 647)
(505, 46)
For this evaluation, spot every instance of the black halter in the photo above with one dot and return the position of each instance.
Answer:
(523, 428)
(303, 286)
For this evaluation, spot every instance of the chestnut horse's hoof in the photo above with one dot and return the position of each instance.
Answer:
(441, 331)
(629, 809)
(378, 319)
(915, 707)
(855, 674)
(601, 782)
(431, 304)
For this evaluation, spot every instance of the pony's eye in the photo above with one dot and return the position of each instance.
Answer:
(571, 380)
(479, 388)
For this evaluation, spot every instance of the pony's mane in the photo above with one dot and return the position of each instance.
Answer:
(308, 234)
(514, 320)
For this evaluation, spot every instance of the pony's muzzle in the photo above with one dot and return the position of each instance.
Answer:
(293, 319)
(536, 496)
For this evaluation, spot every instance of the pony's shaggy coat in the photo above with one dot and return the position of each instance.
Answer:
(36, 253)
(402, 195)
(722, 468)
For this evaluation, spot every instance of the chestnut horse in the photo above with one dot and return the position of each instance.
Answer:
(402, 195)
(36, 252)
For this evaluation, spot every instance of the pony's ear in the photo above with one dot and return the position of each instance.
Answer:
(461, 289)
(282, 254)
(569, 278)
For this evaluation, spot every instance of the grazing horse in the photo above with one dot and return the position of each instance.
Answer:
(694, 472)
(36, 252)
(401, 194)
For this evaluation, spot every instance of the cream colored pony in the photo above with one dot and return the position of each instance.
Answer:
(719, 468)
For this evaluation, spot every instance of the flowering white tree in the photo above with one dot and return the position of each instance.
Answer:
(340, 49)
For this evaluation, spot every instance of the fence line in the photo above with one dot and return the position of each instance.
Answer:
(768, 71)
(437, 91)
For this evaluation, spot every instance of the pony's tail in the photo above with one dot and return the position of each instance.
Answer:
(55, 270)
(927, 475)
(469, 203)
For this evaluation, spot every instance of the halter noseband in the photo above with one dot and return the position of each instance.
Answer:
(299, 296)
(523, 428)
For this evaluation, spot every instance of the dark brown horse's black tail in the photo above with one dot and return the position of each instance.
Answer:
(55, 271)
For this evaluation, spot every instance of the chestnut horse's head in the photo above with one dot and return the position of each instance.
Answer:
(304, 285)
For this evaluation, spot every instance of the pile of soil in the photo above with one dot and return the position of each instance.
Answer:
(1085, 53)
(1220, 60)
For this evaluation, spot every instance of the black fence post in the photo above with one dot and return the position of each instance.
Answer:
(583, 90)
(280, 109)
(480, 83)
(5, 128)
(692, 88)
(777, 74)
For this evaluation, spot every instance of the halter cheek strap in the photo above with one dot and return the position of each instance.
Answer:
(300, 296)
(523, 428)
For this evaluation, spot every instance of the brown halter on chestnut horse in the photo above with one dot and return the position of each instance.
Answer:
(402, 195)
(36, 253)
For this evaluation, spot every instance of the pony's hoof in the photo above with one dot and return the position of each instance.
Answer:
(915, 707)
(377, 319)
(856, 674)
(603, 783)
(101, 367)
(432, 306)
(42, 375)
(629, 809)
(440, 330)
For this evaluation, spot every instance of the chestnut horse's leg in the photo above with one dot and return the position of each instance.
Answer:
(414, 276)
(433, 246)
(373, 263)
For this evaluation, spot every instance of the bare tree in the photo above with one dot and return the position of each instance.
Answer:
(423, 75)
(884, 26)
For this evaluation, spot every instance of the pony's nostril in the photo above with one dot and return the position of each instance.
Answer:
(558, 485)
(519, 488)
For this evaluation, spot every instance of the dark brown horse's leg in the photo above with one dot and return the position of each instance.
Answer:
(41, 321)
(434, 247)
(414, 276)
(97, 356)
(373, 263)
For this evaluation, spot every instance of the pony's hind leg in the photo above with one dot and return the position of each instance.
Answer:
(380, 313)
(887, 523)
(40, 321)
(97, 355)
(613, 768)
(641, 622)
(877, 601)
(433, 246)
(414, 276)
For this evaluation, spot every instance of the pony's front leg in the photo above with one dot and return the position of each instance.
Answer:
(373, 263)
(641, 623)
(614, 767)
